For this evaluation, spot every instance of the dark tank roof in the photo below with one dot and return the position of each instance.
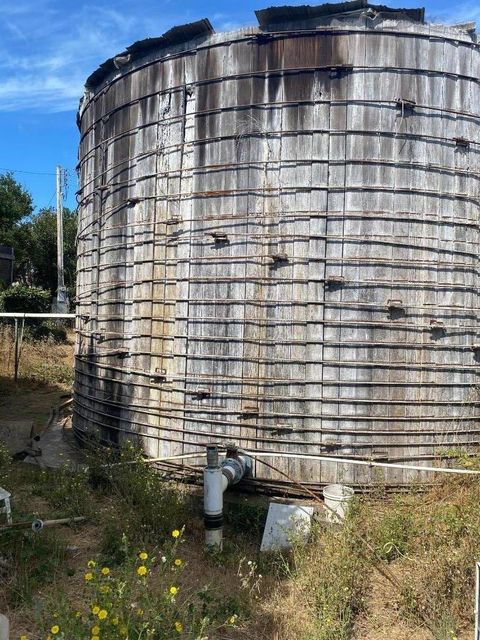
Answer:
(266, 18)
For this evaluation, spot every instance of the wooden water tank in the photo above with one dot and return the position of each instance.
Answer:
(278, 241)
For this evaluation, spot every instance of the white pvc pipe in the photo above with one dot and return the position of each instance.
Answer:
(273, 454)
(5, 314)
(4, 627)
(366, 463)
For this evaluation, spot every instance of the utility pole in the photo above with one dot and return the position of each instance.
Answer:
(61, 300)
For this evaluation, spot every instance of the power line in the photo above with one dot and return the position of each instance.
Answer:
(37, 173)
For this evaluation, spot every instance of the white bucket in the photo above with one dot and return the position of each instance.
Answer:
(337, 498)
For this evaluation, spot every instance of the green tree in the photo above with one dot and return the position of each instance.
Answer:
(15, 204)
(34, 237)
(42, 248)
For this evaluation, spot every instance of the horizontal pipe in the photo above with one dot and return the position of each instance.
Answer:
(365, 463)
(44, 523)
(16, 314)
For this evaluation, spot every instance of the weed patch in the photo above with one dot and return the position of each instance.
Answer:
(149, 503)
(32, 560)
(141, 599)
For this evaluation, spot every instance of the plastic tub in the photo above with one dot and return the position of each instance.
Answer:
(337, 498)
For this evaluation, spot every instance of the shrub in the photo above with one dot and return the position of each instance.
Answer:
(34, 558)
(150, 503)
(49, 329)
(22, 298)
(65, 490)
(393, 532)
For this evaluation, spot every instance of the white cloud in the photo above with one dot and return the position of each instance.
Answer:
(463, 12)
(47, 51)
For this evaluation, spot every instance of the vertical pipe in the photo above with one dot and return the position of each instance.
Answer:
(477, 601)
(16, 354)
(4, 627)
(213, 499)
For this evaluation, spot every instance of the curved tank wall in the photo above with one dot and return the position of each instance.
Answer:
(278, 241)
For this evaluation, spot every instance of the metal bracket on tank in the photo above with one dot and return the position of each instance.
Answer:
(282, 428)
(333, 282)
(261, 38)
(219, 237)
(437, 328)
(339, 70)
(380, 455)
(160, 376)
(99, 335)
(131, 202)
(396, 309)
(406, 106)
(330, 445)
(249, 410)
(395, 304)
(201, 393)
(278, 258)
(462, 142)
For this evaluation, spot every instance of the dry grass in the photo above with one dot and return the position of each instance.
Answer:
(328, 590)
(46, 372)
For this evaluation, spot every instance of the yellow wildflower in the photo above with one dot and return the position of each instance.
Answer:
(140, 612)
(104, 588)
(77, 614)
(105, 571)
(232, 619)
(23, 638)
(142, 570)
(143, 555)
(173, 591)
(102, 614)
(178, 626)
(175, 533)
(114, 621)
(95, 638)
(123, 630)
(95, 630)
(178, 562)
(91, 564)
(55, 629)
(88, 576)
(95, 610)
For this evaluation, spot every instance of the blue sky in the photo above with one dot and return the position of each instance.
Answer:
(49, 47)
